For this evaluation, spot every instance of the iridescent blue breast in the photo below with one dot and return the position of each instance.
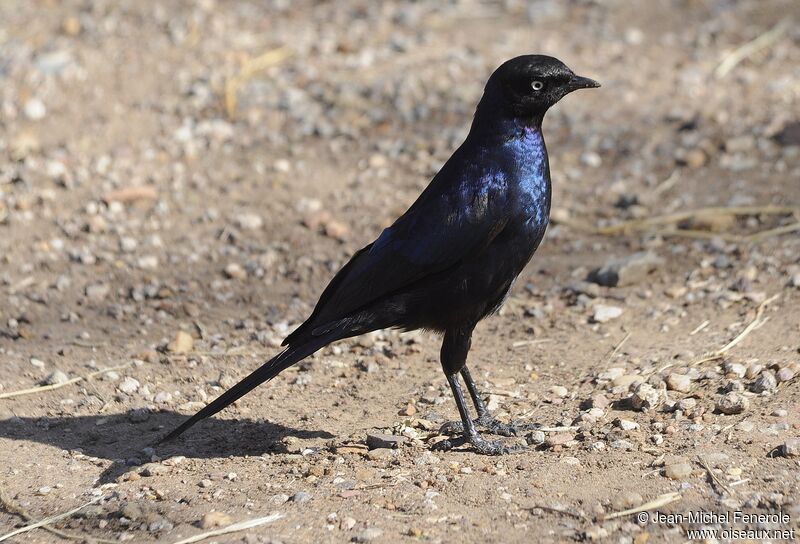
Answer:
(531, 175)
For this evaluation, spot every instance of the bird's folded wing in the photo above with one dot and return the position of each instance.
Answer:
(436, 233)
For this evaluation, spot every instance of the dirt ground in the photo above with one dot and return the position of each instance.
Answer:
(136, 203)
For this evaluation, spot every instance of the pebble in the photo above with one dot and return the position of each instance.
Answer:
(626, 499)
(791, 448)
(678, 471)
(154, 469)
(536, 438)
(765, 383)
(559, 391)
(785, 374)
(300, 497)
(626, 424)
(604, 313)
(235, 271)
(732, 403)
(249, 221)
(679, 382)
(628, 270)
(129, 385)
(368, 535)
(37, 363)
(97, 291)
(645, 397)
(34, 109)
(215, 519)
(56, 377)
(377, 441)
(736, 369)
(182, 343)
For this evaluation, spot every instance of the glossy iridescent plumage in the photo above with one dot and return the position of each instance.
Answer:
(450, 260)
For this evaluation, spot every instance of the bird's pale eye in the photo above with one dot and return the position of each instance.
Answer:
(537, 85)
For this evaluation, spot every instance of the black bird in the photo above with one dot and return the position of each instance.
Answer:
(450, 260)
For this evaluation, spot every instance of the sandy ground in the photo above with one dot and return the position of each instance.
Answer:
(136, 203)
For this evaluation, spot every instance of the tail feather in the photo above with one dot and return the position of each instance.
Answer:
(265, 372)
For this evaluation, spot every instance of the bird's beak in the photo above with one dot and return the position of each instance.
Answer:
(579, 82)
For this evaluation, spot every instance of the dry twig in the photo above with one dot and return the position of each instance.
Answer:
(42, 388)
(714, 478)
(241, 526)
(756, 323)
(659, 501)
(14, 508)
(250, 68)
(661, 224)
(763, 41)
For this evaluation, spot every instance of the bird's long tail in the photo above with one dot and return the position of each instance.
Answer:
(265, 372)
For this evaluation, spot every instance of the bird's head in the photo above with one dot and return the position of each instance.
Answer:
(527, 86)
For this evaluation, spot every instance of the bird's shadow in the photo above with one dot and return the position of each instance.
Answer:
(122, 438)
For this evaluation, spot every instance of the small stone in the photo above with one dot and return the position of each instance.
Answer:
(37, 363)
(791, 448)
(536, 438)
(129, 385)
(347, 523)
(215, 519)
(559, 391)
(765, 383)
(695, 158)
(97, 291)
(738, 370)
(559, 439)
(160, 524)
(628, 270)
(687, 404)
(626, 424)
(603, 313)
(754, 370)
(368, 535)
(732, 403)
(154, 469)
(645, 397)
(56, 377)
(205, 483)
(409, 410)
(235, 271)
(678, 471)
(679, 382)
(626, 499)
(626, 445)
(163, 397)
(147, 262)
(785, 374)
(301, 497)
(375, 440)
(182, 343)
(598, 400)
(249, 221)
(34, 109)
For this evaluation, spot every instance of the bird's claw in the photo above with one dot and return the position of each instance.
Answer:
(515, 428)
(479, 444)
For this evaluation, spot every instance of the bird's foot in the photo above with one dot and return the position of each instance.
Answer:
(479, 444)
(494, 426)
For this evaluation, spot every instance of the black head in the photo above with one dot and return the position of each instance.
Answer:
(527, 86)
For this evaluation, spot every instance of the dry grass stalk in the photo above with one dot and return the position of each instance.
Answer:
(51, 387)
(658, 224)
(755, 324)
(714, 478)
(250, 68)
(236, 527)
(658, 502)
(763, 41)
(14, 508)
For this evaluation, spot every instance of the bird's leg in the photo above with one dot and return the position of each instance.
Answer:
(454, 354)
(484, 419)
(470, 433)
